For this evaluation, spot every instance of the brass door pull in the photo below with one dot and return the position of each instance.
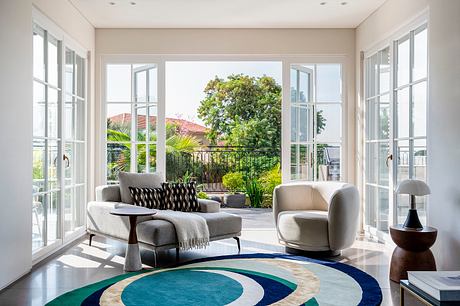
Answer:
(389, 157)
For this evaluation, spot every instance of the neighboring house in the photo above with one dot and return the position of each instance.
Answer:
(185, 127)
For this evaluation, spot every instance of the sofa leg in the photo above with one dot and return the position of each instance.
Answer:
(238, 243)
(91, 238)
(177, 254)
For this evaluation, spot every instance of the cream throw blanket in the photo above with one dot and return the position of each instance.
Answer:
(192, 230)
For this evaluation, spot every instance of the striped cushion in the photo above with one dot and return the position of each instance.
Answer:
(180, 196)
(147, 197)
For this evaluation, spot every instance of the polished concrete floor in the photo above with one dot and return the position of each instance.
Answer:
(80, 264)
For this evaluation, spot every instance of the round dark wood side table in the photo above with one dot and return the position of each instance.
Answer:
(133, 257)
(412, 252)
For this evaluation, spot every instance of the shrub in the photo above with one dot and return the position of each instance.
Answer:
(202, 195)
(255, 192)
(269, 180)
(233, 181)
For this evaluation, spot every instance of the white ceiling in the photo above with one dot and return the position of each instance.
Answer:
(226, 13)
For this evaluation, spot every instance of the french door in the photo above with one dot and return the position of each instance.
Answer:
(315, 122)
(395, 129)
(59, 141)
(131, 118)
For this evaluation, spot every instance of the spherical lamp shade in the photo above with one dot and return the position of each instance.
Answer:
(413, 188)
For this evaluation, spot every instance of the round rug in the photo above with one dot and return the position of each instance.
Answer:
(253, 279)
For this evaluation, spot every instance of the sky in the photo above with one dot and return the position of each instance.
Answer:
(185, 82)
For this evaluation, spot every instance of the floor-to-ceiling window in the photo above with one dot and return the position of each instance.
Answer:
(395, 129)
(59, 140)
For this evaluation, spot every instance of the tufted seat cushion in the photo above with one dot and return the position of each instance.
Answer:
(308, 228)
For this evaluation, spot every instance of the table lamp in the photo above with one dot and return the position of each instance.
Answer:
(413, 188)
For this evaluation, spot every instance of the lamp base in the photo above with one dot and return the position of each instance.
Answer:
(412, 220)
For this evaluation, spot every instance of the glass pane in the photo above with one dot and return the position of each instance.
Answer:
(69, 208)
(52, 217)
(80, 120)
(69, 110)
(328, 83)
(371, 72)
(141, 86)
(39, 55)
(328, 123)
(371, 205)
(118, 122)
(419, 93)
(384, 71)
(119, 83)
(328, 162)
(153, 158)
(69, 71)
(420, 55)
(79, 163)
(293, 85)
(68, 163)
(141, 124)
(304, 87)
(38, 155)
(383, 209)
(153, 123)
(384, 117)
(141, 158)
(53, 70)
(301, 123)
(153, 85)
(402, 112)
(403, 62)
(118, 159)
(420, 158)
(301, 155)
(53, 163)
(80, 76)
(53, 121)
(402, 149)
(376, 168)
(39, 110)
(38, 221)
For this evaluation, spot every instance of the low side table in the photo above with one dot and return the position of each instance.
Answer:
(133, 257)
(412, 252)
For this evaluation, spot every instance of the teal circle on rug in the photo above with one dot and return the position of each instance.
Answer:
(253, 279)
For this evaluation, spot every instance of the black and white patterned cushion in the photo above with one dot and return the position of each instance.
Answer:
(147, 197)
(180, 196)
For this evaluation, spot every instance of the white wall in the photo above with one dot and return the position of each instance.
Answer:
(443, 109)
(276, 42)
(444, 130)
(16, 152)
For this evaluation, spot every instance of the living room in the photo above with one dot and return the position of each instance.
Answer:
(288, 152)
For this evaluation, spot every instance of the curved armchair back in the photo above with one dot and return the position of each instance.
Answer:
(341, 200)
(343, 217)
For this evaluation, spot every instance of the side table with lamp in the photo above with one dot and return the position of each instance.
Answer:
(412, 239)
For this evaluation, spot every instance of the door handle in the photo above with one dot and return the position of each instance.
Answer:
(67, 160)
(389, 157)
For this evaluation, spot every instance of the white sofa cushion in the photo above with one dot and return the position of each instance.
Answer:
(140, 180)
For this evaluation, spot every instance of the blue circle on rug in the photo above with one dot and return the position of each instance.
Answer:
(182, 287)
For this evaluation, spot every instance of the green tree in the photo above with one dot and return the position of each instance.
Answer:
(243, 111)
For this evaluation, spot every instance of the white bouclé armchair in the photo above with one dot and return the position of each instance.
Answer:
(316, 216)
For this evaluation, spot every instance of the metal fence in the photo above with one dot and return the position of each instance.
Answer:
(208, 165)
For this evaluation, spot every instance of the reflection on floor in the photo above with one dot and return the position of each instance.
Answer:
(80, 264)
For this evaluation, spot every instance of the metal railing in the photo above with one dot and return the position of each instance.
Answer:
(208, 165)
